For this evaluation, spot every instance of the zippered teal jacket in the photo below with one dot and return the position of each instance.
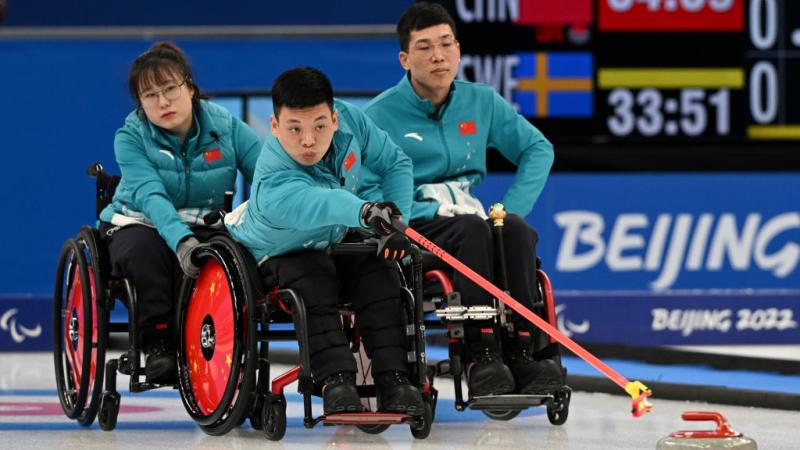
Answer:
(450, 144)
(294, 207)
(168, 185)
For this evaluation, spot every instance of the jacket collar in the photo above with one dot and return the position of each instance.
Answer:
(406, 90)
(202, 133)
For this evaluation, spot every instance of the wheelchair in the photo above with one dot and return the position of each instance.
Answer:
(445, 311)
(224, 321)
(85, 294)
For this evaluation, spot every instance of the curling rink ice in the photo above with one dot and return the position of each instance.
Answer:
(31, 418)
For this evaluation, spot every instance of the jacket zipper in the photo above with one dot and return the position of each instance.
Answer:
(186, 169)
(446, 148)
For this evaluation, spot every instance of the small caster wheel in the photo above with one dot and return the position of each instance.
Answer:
(421, 426)
(109, 410)
(558, 410)
(273, 417)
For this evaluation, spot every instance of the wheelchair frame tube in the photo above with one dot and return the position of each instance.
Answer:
(419, 319)
(133, 329)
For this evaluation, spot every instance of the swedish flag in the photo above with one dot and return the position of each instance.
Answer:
(554, 84)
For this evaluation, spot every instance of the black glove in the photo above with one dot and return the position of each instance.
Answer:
(184, 253)
(393, 246)
(378, 216)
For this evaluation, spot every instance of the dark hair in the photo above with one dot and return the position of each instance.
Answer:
(420, 16)
(301, 87)
(158, 64)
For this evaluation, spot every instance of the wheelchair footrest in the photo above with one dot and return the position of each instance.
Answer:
(467, 312)
(510, 401)
(365, 418)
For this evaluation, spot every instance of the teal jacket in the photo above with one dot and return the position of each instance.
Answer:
(294, 207)
(450, 144)
(168, 185)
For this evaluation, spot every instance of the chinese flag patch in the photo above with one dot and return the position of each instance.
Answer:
(212, 155)
(349, 161)
(467, 128)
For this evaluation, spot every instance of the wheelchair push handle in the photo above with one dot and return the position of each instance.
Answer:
(228, 201)
(94, 170)
(218, 215)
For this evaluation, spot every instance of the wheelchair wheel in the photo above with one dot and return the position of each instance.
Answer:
(501, 414)
(78, 324)
(217, 347)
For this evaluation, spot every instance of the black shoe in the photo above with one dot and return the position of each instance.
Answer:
(531, 376)
(397, 395)
(339, 394)
(160, 365)
(488, 375)
(535, 377)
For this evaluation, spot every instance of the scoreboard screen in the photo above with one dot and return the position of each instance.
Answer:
(642, 71)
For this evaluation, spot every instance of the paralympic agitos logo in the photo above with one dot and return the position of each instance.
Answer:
(18, 332)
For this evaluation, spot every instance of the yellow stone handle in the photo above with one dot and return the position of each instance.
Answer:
(497, 213)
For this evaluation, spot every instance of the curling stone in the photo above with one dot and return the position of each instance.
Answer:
(723, 437)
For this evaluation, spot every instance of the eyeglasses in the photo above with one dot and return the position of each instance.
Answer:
(426, 48)
(170, 92)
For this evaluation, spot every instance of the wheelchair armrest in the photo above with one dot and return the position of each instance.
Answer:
(218, 215)
(214, 216)
(354, 248)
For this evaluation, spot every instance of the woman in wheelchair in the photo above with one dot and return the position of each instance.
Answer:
(178, 154)
(303, 201)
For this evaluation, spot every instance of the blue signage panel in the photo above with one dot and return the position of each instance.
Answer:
(651, 232)
(680, 319)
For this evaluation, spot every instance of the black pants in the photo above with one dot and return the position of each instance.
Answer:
(140, 254)
(469, 239)
(370, 284)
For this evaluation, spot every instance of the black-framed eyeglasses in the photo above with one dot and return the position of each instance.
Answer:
(426, 48)
(170, 92)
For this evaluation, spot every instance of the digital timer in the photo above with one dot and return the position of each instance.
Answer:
(652, 112)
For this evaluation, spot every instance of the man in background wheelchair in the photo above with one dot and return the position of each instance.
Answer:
(302, 202)
(446, 127)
